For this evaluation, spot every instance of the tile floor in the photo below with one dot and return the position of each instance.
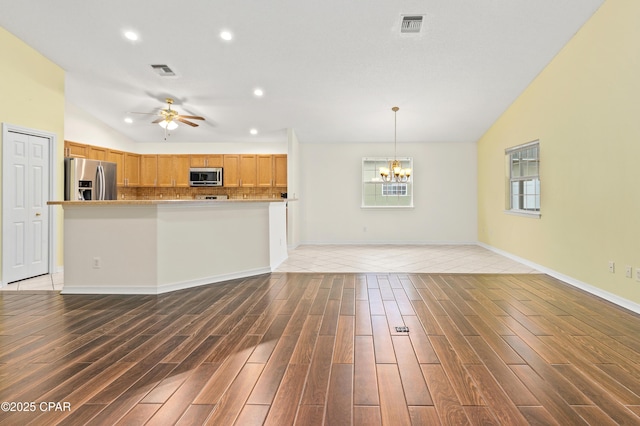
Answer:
(400, 258)
(42, 282)
(363, 258)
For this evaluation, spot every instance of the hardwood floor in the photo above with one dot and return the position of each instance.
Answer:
(307, 349)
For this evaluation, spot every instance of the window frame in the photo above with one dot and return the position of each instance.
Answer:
(522, 179)
(375, 180)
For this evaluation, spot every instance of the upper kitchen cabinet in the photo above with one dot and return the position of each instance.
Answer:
(97, 153)
(131, 169)
(207, 160)
(231, 170)
(264, 170)
(173, 170)
(248, 170)
(280, 170)
(117, 157)
(148, 170)
(75, 149)
(272, 170)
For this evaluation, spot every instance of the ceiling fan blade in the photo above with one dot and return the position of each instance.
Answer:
(158, 120)
(145, 113)
(182, 120)
(191, 117)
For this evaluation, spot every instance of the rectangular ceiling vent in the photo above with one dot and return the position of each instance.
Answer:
(411, 24)
(163, 70)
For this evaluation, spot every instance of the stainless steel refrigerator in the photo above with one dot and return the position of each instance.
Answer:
(86, 180)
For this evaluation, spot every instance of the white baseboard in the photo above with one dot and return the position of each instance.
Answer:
(164, 288)
(388, 243)
(613, 298)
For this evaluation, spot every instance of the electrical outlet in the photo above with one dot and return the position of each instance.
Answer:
(612, 266)
(97, 263)
(628, 271)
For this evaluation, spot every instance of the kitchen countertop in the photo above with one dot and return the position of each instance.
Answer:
(155, 202)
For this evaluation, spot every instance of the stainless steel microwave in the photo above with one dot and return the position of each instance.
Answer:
(205, 176)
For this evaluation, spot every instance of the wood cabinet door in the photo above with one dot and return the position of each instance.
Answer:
(180, 167)
(248, 170)
(215, 160)
(265, 170)
(280, 170)
(97, 153)
(207, 160)
(75, 149)
(148, 170)
(231, 170)
(117, 157)
(131, 169)
(165, 170)
(198, 161)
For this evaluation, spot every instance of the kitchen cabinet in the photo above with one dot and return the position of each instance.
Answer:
(131, 169)
(280, 170)
(97, 153)
(148, 170)
(231, 170)
(207, 160)
(248, 170)
(75, 149)
(117, 157)
(163, 170)
(264, 164)
(173, 170)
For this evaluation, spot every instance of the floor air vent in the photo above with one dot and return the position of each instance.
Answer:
(402, 329)
(411, 24)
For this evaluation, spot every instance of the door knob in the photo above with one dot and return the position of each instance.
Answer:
(37, 214)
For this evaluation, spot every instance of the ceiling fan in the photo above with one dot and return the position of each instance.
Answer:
(169, 117)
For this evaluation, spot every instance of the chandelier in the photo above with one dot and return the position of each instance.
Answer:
(394, 172)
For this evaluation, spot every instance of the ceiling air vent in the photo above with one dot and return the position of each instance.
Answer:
(411, 24)
(163, 70)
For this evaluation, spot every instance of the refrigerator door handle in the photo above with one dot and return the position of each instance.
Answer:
(100, 183)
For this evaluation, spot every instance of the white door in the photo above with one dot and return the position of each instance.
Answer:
(25, 193)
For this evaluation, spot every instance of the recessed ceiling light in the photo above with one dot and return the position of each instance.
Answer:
(258, 92)
(253, 131)
(226, 35)
(130, 35)
(128, 120)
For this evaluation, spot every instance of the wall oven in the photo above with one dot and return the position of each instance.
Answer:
(205, 176)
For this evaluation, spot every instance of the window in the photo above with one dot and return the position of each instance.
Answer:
(523, 192)
(394, 189)
(379, 194)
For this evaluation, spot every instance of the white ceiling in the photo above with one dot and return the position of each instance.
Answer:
(330, 69)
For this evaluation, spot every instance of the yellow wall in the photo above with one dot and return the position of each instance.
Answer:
(585, 110)
(32, 96)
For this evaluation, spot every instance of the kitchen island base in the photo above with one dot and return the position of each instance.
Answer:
(154, 247)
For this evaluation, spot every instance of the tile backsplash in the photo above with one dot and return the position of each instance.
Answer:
(174, 193)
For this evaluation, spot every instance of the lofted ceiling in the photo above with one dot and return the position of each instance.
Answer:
(329, 69)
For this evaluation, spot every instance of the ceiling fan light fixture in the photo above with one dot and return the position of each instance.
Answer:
(169, 125)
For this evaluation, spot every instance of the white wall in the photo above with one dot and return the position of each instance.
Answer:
(80, 126)
(445, 200)
(294, 210)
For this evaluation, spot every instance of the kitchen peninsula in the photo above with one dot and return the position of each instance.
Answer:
(157, 246)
